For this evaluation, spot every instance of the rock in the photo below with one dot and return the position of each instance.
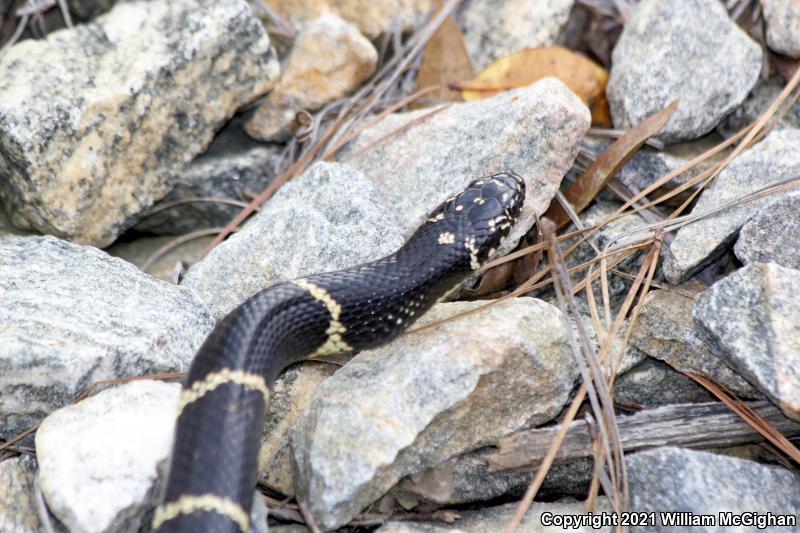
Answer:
(5, 10)
(462, 479)
(753, 318)
(469, 478)
(665, 330)
(329, 59)
(663, 46)
(372, 17)
(772, 235)
(493, 519)
(760, 98)
(7, 230)
(329, 218)
(524, 23)
(534, 131)
(234, 167)
(86, 9)
(679, 480)
(170, 265)
(291, 395)
(653, 383)
(783, 26)
(427, 397)
(73, 315)
(88, 138)
(98, 458)
(19, 511)
(775, 159)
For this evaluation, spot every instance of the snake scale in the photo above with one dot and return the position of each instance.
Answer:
(213, 466)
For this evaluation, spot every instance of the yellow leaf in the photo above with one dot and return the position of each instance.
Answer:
(583, 76)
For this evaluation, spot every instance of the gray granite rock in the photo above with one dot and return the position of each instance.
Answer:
(653, 383)
(775, 159)
(534, 131)
(88, 138)
(663, 47)
(7, 230)
(427, 397)
(760, 98)
(18, 506)
(329, 218)
(783, 26)
(493, 519)
(72, 315)
(98, 459)
(773, 235)
(5, 10)
(470, 478)
(291, 395)
(753, 319)
(524, 23)
(101, 460)
(462, 479)
(329, 59)
(665, 330)
(86, 9)
(669, 479)
(233, 167)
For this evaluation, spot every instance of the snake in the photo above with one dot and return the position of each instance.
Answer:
(213, 466)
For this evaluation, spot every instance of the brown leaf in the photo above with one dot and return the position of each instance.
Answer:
(583, 76)
(584, 189)
(444, 61)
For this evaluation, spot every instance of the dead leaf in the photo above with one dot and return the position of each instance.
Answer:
(583, 76)
(444, 61)
(586, 186)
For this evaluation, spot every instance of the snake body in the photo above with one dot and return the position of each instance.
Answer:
(213, 465)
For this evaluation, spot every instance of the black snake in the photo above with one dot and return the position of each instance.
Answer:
(213, 468)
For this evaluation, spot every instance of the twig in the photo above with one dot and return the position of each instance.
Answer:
(309, 520)
(199, 199)
(174, 243)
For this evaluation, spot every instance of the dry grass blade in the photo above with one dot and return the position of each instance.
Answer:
(646, 271)
(645, 232)
(586, 187)
(608, 444)
(9, 443)
(747, 414)
(746, 136)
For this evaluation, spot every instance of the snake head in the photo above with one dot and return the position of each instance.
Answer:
(482, 214)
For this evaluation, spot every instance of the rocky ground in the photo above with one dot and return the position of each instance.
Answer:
(132, 135)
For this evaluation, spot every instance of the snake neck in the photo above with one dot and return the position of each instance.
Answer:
(211, 477)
